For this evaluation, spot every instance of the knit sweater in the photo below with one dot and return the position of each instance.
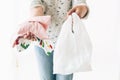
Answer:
(58, 10)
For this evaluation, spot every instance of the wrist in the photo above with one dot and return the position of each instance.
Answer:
(37, 11)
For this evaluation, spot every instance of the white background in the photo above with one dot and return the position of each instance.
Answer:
(103, 28)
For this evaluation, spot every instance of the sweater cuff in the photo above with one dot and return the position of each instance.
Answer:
(36, 4)
(79, 4)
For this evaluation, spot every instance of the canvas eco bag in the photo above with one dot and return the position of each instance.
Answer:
(73, 48)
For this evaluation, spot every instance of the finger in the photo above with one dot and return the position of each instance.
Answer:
(28, 34)
(71, 11)
(78, 12)
(25, 36)
(29, 38)
(84, 13)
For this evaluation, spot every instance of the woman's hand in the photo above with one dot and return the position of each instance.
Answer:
(81, 10)
(29, 36)
(37, 11)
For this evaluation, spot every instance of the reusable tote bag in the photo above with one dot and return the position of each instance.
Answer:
(73, 48)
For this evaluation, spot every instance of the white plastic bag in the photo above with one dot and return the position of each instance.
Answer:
(73, 48)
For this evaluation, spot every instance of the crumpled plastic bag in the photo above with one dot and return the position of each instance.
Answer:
(73, 48)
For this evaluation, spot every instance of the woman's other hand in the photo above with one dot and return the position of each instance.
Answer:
(81, 10)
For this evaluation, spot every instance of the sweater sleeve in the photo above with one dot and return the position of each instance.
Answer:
(36, 3)
(78, 2)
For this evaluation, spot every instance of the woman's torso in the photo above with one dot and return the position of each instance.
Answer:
(58, 10)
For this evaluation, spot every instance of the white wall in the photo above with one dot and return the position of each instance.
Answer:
(102, 25)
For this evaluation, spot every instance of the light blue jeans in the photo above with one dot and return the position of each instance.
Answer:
(46, 66)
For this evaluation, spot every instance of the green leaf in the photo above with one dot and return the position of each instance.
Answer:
(48, 53)
(42, 44)
(24, 46)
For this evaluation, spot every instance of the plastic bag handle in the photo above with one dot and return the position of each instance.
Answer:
(72, 24)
